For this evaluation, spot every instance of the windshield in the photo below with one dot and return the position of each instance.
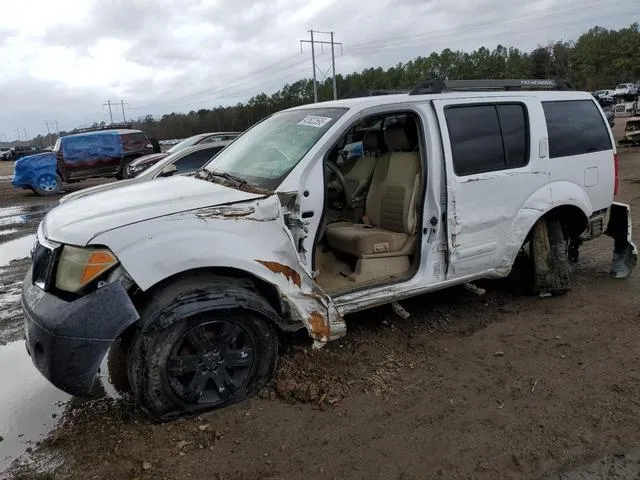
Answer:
(265, 154)
(187, 142)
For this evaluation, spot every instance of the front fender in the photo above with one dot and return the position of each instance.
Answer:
(536, 206)
(250, 237)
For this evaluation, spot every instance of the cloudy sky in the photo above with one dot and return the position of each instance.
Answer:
(62, 60)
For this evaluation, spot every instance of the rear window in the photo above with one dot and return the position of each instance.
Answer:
(575, 127)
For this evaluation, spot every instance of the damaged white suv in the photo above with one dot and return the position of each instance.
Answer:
(190, 282)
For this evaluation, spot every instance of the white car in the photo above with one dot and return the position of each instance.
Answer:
(189, 282)
(184, 162)
(626, 89)
(607, 95)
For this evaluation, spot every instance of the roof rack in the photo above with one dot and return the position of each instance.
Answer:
(437, 85)
(373, 93)
(111, 126)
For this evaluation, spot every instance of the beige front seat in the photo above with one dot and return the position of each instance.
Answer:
(384, 244)
(358, 178)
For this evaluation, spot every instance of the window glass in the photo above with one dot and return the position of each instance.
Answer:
(575, 127)
(476, 142)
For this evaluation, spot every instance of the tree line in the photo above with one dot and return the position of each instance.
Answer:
(599, 58)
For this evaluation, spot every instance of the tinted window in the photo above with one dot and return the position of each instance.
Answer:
(195, 160)
(513, 122)
(575, 127)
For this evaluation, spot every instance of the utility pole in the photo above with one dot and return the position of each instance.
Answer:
(48, 133)
(110, 112)
(313, 42)
(57, 129)
(122, 104)
(18, 131)
(333, 68)
(26, 138)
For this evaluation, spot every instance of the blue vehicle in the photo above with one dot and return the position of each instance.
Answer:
(90, 153)
(38, 173)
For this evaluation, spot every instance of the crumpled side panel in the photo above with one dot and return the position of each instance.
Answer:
(29, 168)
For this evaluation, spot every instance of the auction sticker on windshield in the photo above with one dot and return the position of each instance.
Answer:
(315, 121)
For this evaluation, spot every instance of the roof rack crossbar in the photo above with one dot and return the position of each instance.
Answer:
(437, 85)
(97, 128)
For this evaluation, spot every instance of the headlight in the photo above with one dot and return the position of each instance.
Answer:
(80, 266)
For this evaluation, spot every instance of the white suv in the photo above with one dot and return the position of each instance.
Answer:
(190, 282)
(626, 89)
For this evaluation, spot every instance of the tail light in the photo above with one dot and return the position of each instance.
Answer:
(616, 170)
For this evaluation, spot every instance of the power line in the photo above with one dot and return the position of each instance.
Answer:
(530, 15)
(280, 65)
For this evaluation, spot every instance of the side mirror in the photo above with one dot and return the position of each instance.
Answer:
(168, 171)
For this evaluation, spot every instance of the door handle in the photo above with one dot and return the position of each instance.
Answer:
(307, 214)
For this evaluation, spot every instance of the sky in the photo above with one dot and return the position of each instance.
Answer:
(62, 61)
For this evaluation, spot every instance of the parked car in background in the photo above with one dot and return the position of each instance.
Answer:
(20, 151)
(185, 162)
(608, 96)
(203, 138)
(93, 153)
(5, 153)
(142, 163)
(625, 89)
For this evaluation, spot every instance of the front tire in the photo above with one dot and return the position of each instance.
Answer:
(48, 184)
(206, 342)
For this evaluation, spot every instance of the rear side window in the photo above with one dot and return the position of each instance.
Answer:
(486, 138)
(575, 127)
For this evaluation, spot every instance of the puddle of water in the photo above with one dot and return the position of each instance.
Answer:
(28, 402)
(16, 249)
(12, 220)
(30, 406)
(8, 231)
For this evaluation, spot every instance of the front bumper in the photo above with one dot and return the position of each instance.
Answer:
(68, 340)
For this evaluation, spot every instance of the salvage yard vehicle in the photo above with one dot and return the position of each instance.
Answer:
(184, 162)
(631, 132)
(93, 152)
(142, 163)
(188, 283)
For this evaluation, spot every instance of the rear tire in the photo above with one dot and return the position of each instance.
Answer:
(206, 342)
(549, 250)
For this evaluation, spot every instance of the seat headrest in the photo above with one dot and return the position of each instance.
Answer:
(370, 141)
(396, 138)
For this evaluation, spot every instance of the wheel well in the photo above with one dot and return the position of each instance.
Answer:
(265, 289)
(571, 217)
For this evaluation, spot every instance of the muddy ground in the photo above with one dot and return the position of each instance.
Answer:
(502, 385)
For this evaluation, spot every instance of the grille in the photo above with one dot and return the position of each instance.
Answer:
(43, 262)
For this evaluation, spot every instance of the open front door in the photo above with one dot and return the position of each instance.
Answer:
(495, 159)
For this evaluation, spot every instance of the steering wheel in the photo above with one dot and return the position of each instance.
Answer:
(343, 183)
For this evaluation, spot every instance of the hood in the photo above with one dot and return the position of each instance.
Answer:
(98, 188)
(154, 157)
(38, 157)
(77, 221)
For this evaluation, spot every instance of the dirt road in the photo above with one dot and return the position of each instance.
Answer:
(484, 387)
